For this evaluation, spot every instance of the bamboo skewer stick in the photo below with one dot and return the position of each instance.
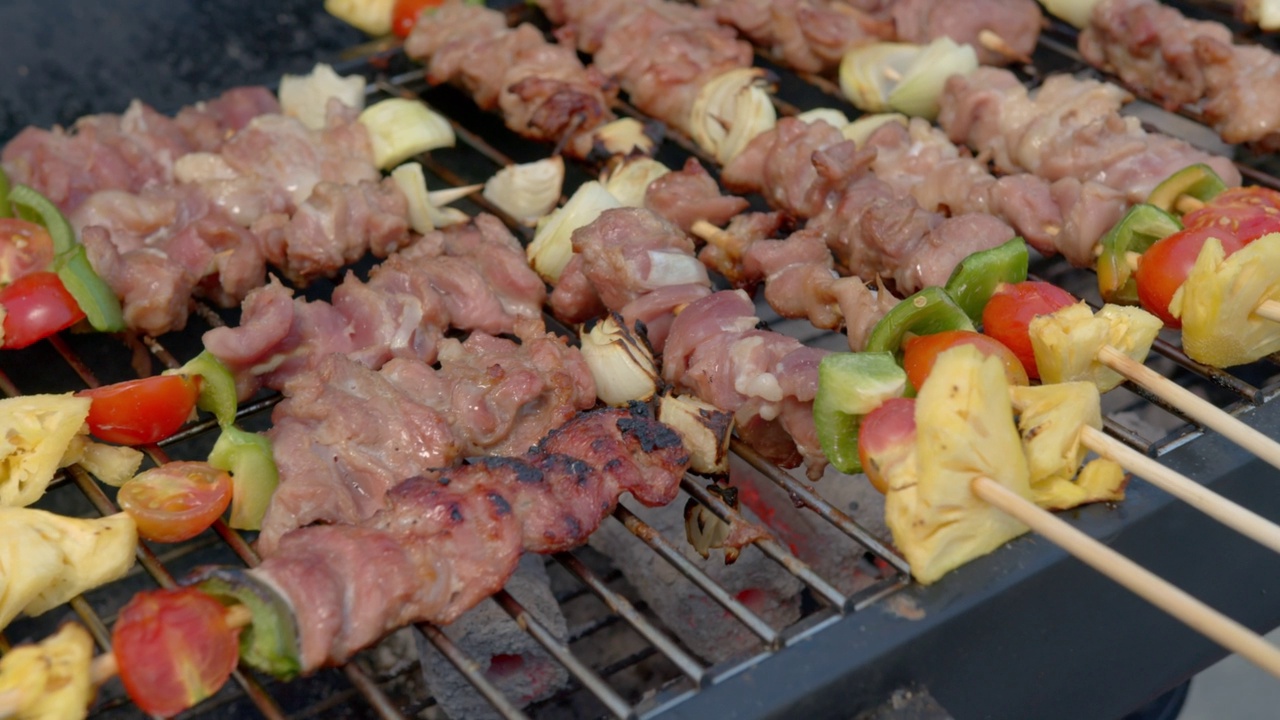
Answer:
(1200, 617)
(1268, 310)
(1238, 518)
(1195, 407)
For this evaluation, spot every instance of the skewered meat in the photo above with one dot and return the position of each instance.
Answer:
(345, 433)
(1015, 22)
(1178, 61)
(661, 53)
(129, 151)
(472, 277)
(690, 194)
(808, 35)
(444, 543)
(543, 90)
(1070, 129)
(765, 379)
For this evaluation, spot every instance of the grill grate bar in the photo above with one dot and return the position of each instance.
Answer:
(561, 652)
(799, 491)
(471, 671)
(623, 607)
(769, 547)
(651, 537)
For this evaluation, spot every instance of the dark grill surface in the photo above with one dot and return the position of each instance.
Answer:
(996, 639)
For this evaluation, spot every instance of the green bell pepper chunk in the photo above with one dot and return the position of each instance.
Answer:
(6, 210)
(270, 642)
(100, 305)
(1198, 181)
(217, 387)
(850, 385)
(929, 311)
(247, 456)
(1138, 230)
(976, 278)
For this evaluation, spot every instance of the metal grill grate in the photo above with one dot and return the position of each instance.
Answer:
(671, 673)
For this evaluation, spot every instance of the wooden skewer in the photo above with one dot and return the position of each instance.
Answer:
(1198, 409)
(105, 666)
(1238, 518)
(1269, 310)
(996, 44)
(1187, 203)
(1146, 584)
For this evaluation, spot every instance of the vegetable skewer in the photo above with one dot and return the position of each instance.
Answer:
(1146, 584)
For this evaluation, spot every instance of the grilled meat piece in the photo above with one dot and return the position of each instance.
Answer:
(446, 541)
(472, 277)
(690, 194)
(345, 433)
(809, 36)
(779, 164)
(543, 90)
(1015, 22)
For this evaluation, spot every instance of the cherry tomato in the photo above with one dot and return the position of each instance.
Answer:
(1010, 311)
(404, 14)
(35, 307)
(921, 351)
(1166, 264)
(1251, 196)
(137, 412)
(884, 429)
(174, 649)
(25, 247)
(176, 501)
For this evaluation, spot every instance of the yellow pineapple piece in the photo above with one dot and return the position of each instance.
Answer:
(1052, 419)
(964, 430)
(51, 680)
(35, 431)
(47, 559)
(1066, 343)
(1216, 303)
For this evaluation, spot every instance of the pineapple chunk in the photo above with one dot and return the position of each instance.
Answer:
(371, 16)
(1217, 300)
(1067, 342)
(112, 464)
(47, 559)
(51, 680)
(35, 431)
(964, 430)
(1051, 419)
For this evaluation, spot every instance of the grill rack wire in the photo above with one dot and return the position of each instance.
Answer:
(73, 361)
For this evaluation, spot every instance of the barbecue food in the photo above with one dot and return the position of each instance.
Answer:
(47, 559)
(1069, 128)
(36, 432)
(963, 430)
(543, 90)
(1067, 342)
(471, 277)
(445, 542)
(346, 434)
(51, 680)
(1051, 420)
(1217, 303)
(1179, 61)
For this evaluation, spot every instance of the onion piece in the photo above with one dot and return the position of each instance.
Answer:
(622, 137)
(730, 110)
(620, 361)
(400, 128)
(552, 245)
(1076, 12)
(830, 116)
(629, 178)
(528, 191)
(705, 429)
(903, 77)
(306, 97)
(1264, 13)
(864, 127)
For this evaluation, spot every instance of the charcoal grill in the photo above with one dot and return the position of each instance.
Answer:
(1024, 632)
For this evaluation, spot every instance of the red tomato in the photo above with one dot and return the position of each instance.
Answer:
(921, 351)
(176, 501)
(174, 649)
(137, 412)
(887, 427)
(1252, 196)
(405, 14)
(1166, 264)
(35, 307)
(25, 247)
(1010, 311)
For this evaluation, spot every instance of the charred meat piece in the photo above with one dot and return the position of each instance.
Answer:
(445, 542)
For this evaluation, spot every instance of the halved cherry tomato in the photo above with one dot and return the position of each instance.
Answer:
(920, 352)
(1010, 311)
(25, 247)
(404, 15)
(1246, 196)
(176, 501)
(885, 429)
(1166, 264)
(142, 411)
(35, 307)
(174, 649)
